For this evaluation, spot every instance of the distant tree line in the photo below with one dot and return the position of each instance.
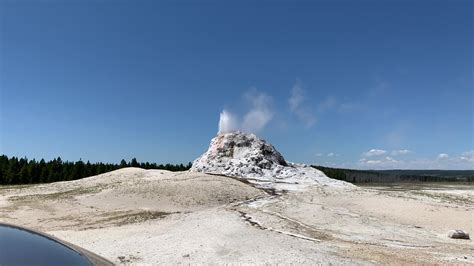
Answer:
(393, 176)
(14, 170)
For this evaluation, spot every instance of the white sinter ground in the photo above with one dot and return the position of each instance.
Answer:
(134, 216)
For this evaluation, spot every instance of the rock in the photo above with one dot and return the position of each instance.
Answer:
(458, 234)
(239, 154)
(246, 156)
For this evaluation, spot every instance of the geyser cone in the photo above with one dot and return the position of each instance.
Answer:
(246, 156)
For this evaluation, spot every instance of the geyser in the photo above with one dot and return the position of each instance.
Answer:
(245, 156)
(227, 122)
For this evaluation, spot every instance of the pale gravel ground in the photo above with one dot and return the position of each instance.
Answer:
(135, 216)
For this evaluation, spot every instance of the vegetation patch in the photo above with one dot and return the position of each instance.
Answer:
(134, 217)
(444, 197)
(15, 171)
(397, 176)
(62, 195)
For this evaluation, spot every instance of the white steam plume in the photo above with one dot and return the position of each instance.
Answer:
(254, 121)
(296, 103)
(227, 122)
(260, 113)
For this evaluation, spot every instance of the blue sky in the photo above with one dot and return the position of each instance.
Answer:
(372, 84)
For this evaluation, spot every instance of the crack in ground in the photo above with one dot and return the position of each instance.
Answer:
(247, 218)
(272, 193)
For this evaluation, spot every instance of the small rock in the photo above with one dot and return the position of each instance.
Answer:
(458, 234)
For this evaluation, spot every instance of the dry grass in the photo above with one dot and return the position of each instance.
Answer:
(132, 217)
(62, 195)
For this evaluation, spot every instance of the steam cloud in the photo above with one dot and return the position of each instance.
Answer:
(296, 103)
(227, 122)
(254, 121)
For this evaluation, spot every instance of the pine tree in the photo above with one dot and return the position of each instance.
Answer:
(134, 163)
(13, 176)
(44, 173)
(24, 175)
(78, 170)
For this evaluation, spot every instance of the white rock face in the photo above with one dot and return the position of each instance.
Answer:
(248, 157)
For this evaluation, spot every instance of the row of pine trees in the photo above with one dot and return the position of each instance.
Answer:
(15, 171)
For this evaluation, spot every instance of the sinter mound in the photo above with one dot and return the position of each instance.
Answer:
(246, 156)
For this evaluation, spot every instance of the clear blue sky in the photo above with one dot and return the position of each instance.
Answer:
(365, 84)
